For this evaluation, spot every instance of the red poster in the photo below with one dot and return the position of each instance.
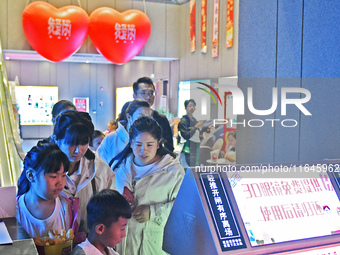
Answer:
(230, 23)
(203, 26)
(192, 25)
(81, 104)
(216, 10)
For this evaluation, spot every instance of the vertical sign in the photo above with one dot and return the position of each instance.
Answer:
(216, 10)
(230, 23)
(81, 104)
(204, 26)
(226, 226)
(192, 25)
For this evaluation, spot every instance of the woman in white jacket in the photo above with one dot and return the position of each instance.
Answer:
(87, 174)
(112, 147)
(153, 175)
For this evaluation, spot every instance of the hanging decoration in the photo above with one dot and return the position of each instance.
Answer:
(230, 23)
(55, 33)
(119, 36)
(203, 26)
(192, 25)
(216, 10)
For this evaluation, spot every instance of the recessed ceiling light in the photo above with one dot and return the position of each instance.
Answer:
(87, 61)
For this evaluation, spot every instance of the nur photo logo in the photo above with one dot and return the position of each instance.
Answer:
(239, 99)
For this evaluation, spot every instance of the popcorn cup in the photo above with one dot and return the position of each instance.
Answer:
(57, 249)
(214, 155)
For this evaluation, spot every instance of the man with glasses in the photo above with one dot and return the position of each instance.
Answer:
(144, 89)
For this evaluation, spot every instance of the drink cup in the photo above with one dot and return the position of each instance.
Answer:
(214, 155)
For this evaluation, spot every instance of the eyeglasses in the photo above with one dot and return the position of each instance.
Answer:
(149, 93)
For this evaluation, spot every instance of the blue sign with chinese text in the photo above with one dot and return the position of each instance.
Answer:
(227, 229)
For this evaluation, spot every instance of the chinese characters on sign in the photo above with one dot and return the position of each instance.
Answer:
(290, 211)
(203, 26)
(285, 209)
(216, 9)
(59, 27)
(192, 25)
(227, 228)
(230, 23)
(125, 32)
(286, 188)
(81, 104)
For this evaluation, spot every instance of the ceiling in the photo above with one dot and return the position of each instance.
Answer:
(85, 58)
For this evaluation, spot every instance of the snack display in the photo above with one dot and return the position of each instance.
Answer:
(55, 243)
(54, 238)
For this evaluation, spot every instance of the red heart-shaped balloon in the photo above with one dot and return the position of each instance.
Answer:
(55, 33)
(119, 36)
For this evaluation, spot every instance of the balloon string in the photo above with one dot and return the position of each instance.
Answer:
(144, 6)
(79, 4)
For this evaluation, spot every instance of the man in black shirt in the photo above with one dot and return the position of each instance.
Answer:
(144, 89)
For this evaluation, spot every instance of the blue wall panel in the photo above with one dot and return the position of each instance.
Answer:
(303, 50)
(320, 137)
(257, 60)
(289, 40)
(257, 39)
(321, 39)
(288, 75)
(321, 76)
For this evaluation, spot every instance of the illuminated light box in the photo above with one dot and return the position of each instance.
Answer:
(203, 220)
(238, 212)
(321, 250)
(123, 95)
(36, 103)
(271, 209)
(222, 213)
(190, 90)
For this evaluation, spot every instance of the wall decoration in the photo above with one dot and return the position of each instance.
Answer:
(216, 10)
(35, 104)
(203, 26)
(230, 23)
(192, 25)
(82, 104)
(55, 33)
(119, 36)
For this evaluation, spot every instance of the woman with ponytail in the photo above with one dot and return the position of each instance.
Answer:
(40, 208)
